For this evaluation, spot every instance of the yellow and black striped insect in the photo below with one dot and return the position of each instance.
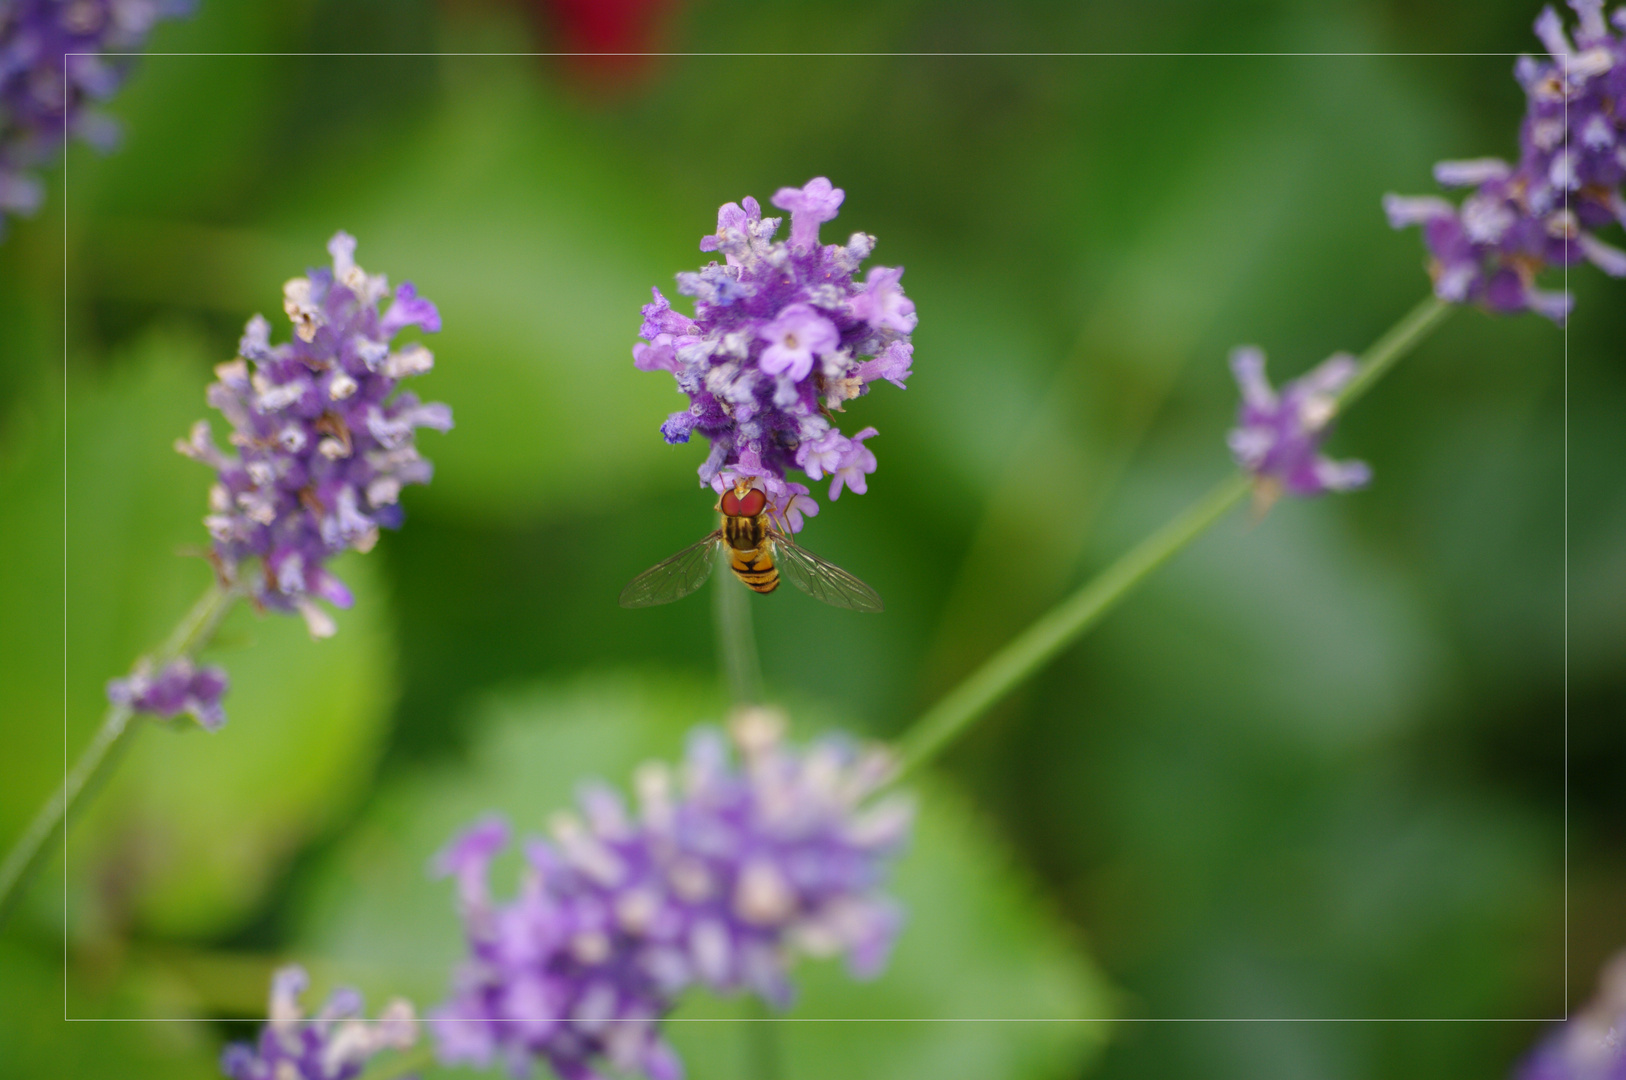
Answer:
(759, 553)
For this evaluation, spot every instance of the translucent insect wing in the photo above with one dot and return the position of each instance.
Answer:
(673, 578)
(821, 580)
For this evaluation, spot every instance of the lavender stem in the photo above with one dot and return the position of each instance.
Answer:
(736, 640)
(962, 706)
(97, 760)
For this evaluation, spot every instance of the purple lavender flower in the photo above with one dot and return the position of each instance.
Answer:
(777, 343)
(44, 92)
(180, 687)
(1278, 435)
(335, 1044)
(322, 448)
(1544, 211)
(1591, 1045)
(730, 867)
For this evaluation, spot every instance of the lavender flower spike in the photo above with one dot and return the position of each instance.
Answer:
(733, 864)
(179, 687)
(335, 1044)
(44, 92)
(777, 345)
(1592, 1044)
(1278, 435)
(321, 443)
(1548, 208)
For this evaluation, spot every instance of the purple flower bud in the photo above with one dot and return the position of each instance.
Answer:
(45, 94)
(777, 346)
(728, 868)
(336, 1044)
(321, 447)
(177, 688)
(1544, 211)
(809, 207)
(1591, 1045)
(1278, 436)
(882, 303)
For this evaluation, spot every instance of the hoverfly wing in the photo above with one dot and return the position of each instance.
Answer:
(674, 578)
(821, 580)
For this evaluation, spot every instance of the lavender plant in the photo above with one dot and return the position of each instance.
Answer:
(733, 865)
(1546, 209)
(776, 348)
(1278, 436)
(743, 859)
(46, 94)
(322, 442)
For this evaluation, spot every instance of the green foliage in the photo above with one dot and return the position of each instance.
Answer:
(1316, 768)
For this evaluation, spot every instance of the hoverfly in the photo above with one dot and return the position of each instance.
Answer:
(758, 552)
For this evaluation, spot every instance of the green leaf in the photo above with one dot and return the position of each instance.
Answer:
(979, 945)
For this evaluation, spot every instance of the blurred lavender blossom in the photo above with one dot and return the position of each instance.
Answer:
(777, 345)
(732, 866)
(1546, 209)
(179, 687)
(322, 448)
(1279, 434)
(44, 92)
(335, 1044)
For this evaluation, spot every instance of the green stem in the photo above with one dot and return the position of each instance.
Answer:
(742, 671)
(736, 640)
(1057, 628)
(962, 706)
(97, 760)
(1416, 325)
(762, 1042)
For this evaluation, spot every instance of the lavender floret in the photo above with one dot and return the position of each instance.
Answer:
(777, 346)
(1278, 435)
(38, 105)
(1591, 1045)
(322, 443)
(1548, 208)
(731, 866)
(179, 687)
(335, 1044)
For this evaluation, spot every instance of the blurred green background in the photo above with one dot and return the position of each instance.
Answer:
(1315, 769)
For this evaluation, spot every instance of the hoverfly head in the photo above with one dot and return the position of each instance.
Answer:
(744, 500)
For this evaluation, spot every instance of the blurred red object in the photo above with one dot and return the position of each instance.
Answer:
(610, 42)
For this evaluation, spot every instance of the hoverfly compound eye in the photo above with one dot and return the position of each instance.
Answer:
(749, 504)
